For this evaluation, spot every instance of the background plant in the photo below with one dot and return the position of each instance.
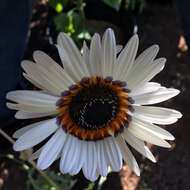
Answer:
(70, 15)
(70, 18)
(132, 5)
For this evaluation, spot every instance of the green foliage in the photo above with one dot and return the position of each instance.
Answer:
(84, 35)
(65, 182)
(68, 22)
(128, 4)
(90, 186)
(115, 4)
(38, 182)
(58, 5)
(132, 4)
(72, 20)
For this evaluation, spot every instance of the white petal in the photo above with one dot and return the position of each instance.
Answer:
(73, 55)
(34, 82)
(153, 129)
(145, 59)
(126, 58)
(144, 73)
(138, 144)
(31, 97)
(113, 154)
(85, 55)
(127, 155)
(118, 48)
(80, 156)
(59, 83)
(95, 56)
(29, 115)
(36, 154)
(147, 135)
(39, 77)
(52, 67)
(109, 53)
(70, 155)
(159, 121)
(68, 66)
(90, 165)
(21, 131)
(101, 158)
(147, 56)
(51, 149)
(156, 115)
(158, 96)
(147, 88)
(35, 135)
(35, 108)
(157, 111)
(44, 59)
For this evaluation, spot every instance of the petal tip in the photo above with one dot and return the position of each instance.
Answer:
(154, 160)
(172, 138)
(137, 172)
(9, 105)
(109, 30)
(60, 35)
(179, 115)
(168, 145)
(175, 91)
(8, 95)
(16, 147)
(156, 47)
(41, 166)
(37, 54)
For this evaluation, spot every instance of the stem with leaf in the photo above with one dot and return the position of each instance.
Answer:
(43, 174)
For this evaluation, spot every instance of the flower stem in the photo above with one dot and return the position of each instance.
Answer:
(6, 136)
(43, 174)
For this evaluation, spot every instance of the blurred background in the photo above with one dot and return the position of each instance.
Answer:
(162, 22)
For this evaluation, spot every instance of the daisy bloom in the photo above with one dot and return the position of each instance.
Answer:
(94, 106)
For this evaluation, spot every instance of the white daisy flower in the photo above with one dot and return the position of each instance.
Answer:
(98, 105)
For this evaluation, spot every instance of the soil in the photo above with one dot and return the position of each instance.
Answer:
(158, 24)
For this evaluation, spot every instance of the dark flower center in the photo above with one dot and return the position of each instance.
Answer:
(94, 107)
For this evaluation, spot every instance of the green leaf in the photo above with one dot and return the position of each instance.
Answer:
(58, 5)
(84, 35)
(69, 22)
(133, 4)
(90, 186)
(64, 181)
(115, 4)
(143, 5)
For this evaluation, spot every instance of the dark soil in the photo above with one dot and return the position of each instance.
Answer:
(158, 24)
(161, 25)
